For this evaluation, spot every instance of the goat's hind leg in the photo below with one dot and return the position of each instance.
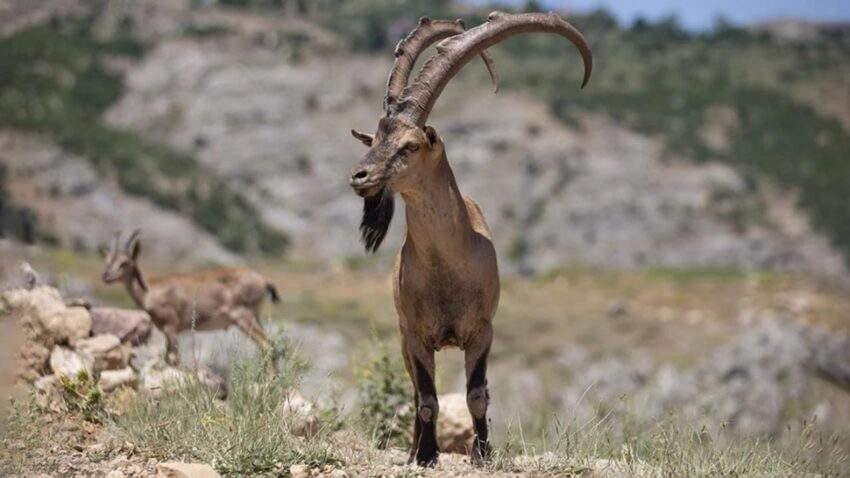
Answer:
(248, 323)
(477, 395)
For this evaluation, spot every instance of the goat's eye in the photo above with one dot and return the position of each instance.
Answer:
(412, 147)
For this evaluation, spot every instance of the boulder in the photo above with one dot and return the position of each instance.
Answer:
(33, 360)
(67, 325)
(301, 418)
(129, 325)
(40, 301)
(45, 314)
(106, 350)
(64, 361)
(212, 381)
(454, 424)
(113, 379)
(155, 380)
(45, 394)
(151, 354)
(185, 470)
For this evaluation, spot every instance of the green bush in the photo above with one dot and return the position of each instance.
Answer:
(386, 399)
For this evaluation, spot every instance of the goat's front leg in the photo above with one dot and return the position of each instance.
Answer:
(248, 323)
(477, 395)
(425, 445)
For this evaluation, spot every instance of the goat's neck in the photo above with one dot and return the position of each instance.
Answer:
(437, 219)
(135, 287)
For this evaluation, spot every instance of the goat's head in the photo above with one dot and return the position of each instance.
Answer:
(120, 262)
(403, 148)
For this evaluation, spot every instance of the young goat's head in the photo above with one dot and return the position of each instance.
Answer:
(404, 149)
(120, 262)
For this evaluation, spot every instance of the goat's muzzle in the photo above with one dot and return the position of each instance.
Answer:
(365, 182)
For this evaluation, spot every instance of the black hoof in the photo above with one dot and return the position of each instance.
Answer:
(427, 460)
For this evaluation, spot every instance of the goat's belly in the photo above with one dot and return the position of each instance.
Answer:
(205, 323)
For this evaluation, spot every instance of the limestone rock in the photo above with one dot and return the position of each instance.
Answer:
(64, 361)
(185, 470)
(299, 471)
(454, 424)
(155, 380)
(129, 325)
(33, 360)
(67, 325)
(113, 379)
(301, 418)
(106, 350)
(40, 301)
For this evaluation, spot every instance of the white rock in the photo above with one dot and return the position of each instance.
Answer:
(185, 470)
(155, 380)
(64, 361)
(68, 325)
(41, 301)
(454, 424)
(299, 471)
(106, 350)
(112, 379)
(300, 416)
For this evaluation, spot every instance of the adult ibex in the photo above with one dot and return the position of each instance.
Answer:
(446, 280)
(211, 300)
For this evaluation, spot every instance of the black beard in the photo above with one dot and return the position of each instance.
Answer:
(377, 215)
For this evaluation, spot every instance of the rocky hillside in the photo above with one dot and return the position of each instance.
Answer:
(263, 101)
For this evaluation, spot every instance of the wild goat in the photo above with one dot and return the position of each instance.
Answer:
(446, 280)
(211, 300)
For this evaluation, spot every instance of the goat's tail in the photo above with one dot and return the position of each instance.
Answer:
(272, 290)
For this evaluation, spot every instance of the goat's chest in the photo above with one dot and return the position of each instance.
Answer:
(440, 303)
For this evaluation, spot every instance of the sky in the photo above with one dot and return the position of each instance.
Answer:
(700, 15)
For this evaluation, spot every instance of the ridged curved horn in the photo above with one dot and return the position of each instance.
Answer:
(453, 53)
(133, 237)
(408, 49)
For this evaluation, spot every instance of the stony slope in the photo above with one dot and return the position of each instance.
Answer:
(598, 195)
(265, 102)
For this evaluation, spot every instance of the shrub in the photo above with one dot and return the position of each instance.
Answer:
(385, 399)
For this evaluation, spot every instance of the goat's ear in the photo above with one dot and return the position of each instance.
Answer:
(431, 133)
(135, 249)
(362, 137)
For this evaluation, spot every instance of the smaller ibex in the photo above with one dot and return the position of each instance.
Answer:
(211, 300)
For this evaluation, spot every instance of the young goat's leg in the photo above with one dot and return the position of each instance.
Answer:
(171, 347)
(248, 323)
(477, 396)
(427, 409)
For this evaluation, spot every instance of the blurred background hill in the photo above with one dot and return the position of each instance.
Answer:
(221, 128)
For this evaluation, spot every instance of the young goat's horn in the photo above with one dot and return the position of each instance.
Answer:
(133, 237)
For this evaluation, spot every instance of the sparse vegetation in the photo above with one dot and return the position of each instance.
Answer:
(246, 435)
(385, 393)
